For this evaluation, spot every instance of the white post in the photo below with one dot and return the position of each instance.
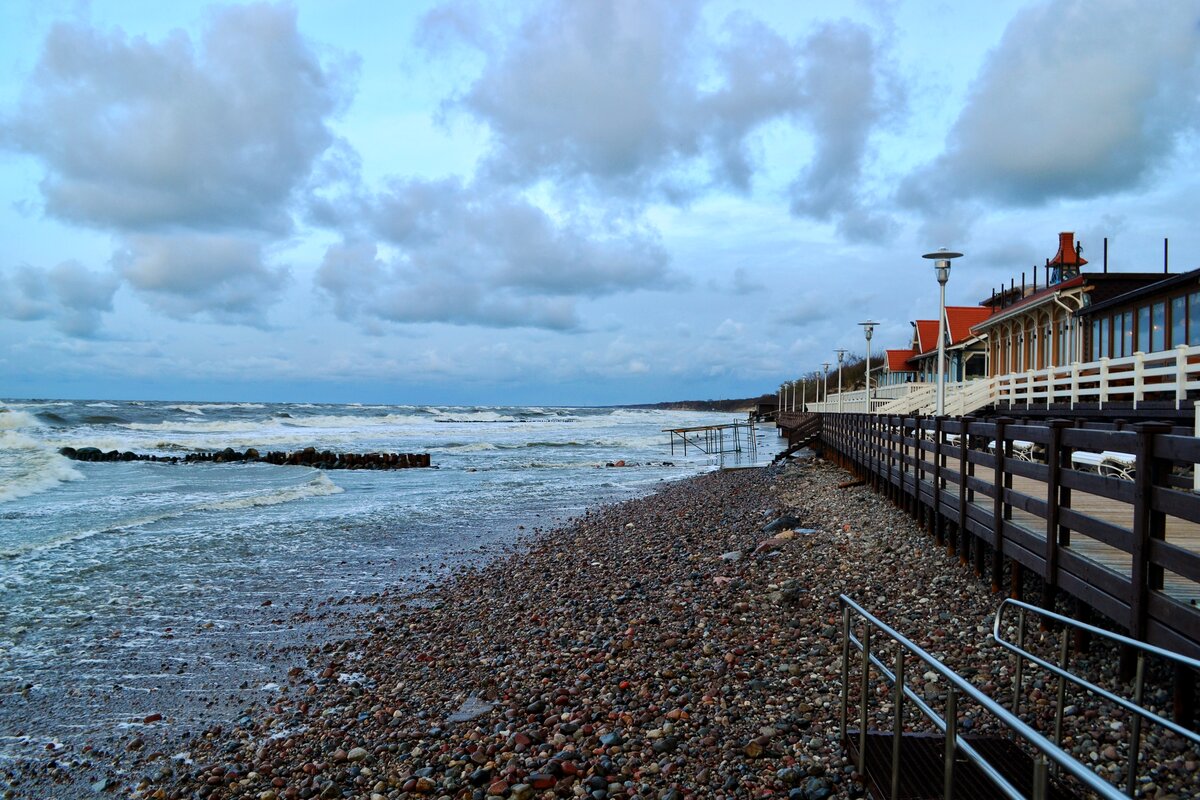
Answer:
(793, 395)
(1180, 375)
(1196, 467)
(1103, 380)
(803, 395)
(1139, 376)
(1074, 383)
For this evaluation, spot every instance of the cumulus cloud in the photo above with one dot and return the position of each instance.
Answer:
(68, 294)
(635, 97)
(846, 99)
(1079, 99)
(481, 254)
(223, 277)
(146, 136)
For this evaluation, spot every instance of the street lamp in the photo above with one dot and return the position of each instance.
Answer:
(794, 395)
(941, 263)
(868, 329)
(841, 354)
(825, 402)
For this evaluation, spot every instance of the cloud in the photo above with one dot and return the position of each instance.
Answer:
(183, 276)
(845, 100)
(1079, 100)
(638, 99)
(745, 283)
(149, 136)
(68, 294)
(484, 255)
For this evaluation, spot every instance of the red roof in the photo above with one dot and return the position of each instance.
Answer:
(927, 330)
(960, 319)
(896, 359)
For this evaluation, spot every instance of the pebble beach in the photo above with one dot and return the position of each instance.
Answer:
(678, 645)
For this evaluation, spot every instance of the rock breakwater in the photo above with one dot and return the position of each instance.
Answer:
(308, 457)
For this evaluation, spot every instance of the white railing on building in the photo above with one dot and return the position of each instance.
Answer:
(1163, 376)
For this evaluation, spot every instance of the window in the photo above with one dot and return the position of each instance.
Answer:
(1178, 321)
(1127, 347)
(1118, 336)
(1143, 329)
(1095, 340)
(1104, 337)
(1158, 336)
(1194, 318)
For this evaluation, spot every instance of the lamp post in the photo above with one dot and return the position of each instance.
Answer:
(779, 410)
(868, 329)
(794, 395)
(941, 263)
(841, 354)
(803, 395)
(825, 402)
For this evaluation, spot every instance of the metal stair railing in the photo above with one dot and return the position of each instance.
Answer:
(956, 686)
(1064, 675)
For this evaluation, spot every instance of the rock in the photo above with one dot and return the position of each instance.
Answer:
(781, 523)
(356, 754)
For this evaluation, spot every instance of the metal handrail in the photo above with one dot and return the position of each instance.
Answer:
(957, 685)
(1134, 706)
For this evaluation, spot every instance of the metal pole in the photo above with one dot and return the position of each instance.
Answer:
(845, 667)
(864, 688)
(1016, 706)
(898, 724)
(1135, 735)
(951, 741)
(941, 382)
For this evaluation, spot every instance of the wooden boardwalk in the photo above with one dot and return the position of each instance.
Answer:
(1127, 547)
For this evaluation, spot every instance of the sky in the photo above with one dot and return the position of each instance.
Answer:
(576, 202)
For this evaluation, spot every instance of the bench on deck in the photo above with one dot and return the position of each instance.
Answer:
(1110, 463)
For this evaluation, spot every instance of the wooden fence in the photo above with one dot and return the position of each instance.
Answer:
(1125, 543)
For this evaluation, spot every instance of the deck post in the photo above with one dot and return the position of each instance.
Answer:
(1053, 528)
(939, 522)
(1074, 384)
(1103, 388)
(963, 466)
(998, 505)
(1147, 524)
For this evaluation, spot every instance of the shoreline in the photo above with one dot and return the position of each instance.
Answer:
(627, 653)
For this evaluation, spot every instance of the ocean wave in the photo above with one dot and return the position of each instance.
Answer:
(192, 426)
(469, 447)
(15, 420)
(101, 404)
(201, 408)
(104, 419)
(30, 467)
(319, 486)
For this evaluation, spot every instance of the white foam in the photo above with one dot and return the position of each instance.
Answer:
(15, 420)
(101, 405)
(29, 466)
(320, 486)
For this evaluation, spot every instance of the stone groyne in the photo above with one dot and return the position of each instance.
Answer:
(308, 457)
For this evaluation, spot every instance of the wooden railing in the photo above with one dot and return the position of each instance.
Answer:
(1127, 548)
(1162, 377)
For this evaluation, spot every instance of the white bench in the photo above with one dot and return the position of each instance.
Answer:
(1110, 463)
(1021, 449)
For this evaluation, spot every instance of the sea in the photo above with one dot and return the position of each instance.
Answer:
(135, 589)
